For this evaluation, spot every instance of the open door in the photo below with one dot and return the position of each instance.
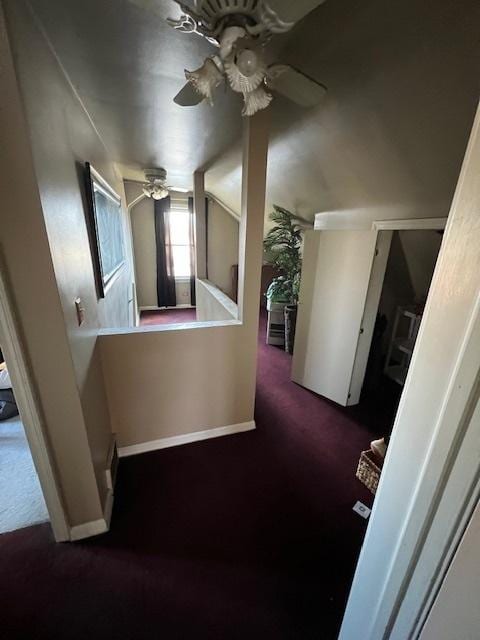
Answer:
(336, 275)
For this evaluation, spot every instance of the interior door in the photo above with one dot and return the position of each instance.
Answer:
(337, 267)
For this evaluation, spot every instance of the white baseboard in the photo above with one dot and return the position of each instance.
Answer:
(88, 529)
(107, 509)
(187, 438)
(178, 306)
(95, 527)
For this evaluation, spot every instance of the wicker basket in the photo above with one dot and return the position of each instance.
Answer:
(368, 470)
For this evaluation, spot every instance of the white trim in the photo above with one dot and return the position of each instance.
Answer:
(30, 413)
(178, 306)
(107, 510)
(409, 224)
(88, 529)
(187, 438)
(94, 527)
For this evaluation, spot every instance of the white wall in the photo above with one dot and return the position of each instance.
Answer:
(222, 246)
(456, 612)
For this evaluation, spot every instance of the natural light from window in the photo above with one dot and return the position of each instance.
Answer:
(180, 241)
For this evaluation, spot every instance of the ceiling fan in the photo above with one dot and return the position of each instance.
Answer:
(241, 29)
(155, 184)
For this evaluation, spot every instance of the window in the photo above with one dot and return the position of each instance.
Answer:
(181, 241)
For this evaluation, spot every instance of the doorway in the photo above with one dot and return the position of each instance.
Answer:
(408, 275)
(26, 434)
(21, 499)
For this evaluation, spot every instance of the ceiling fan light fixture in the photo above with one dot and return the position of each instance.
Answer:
(247, 62)
(205, 79)
(253, 64)
(159, 192)
(256, 100)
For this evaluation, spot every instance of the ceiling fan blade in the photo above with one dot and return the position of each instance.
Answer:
(188, 97)
(161, 8)
(288, 11)
(178, 189)
(294, 85)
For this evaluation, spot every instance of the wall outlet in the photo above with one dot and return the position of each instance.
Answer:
(362, 509)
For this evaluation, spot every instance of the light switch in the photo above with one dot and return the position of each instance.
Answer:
(80, 309)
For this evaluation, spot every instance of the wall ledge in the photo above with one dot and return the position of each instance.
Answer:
(227, 303)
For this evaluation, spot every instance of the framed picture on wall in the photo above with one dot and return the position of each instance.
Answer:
(106, 229)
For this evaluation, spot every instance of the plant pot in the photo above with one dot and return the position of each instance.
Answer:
(290, 312)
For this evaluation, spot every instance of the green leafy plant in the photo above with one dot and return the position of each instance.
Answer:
(282, 246)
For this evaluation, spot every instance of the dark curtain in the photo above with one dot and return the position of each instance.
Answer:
(193, 298)
(165, 274)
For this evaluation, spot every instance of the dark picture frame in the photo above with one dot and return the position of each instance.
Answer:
(106, 229)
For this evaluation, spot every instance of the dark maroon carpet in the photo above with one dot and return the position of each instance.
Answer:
(243, 537)
(167, 316)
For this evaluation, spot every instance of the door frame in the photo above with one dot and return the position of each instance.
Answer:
(30, 412)
(415, 529)
(384, 230)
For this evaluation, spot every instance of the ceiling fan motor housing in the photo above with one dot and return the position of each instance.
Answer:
(158, 176)
(254, 13)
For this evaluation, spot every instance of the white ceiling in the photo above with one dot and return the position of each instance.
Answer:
(402, 78)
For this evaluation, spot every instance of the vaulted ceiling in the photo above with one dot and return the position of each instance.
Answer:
(403, 81)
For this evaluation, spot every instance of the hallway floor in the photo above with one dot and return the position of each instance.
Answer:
(241, 537)
(168, 316)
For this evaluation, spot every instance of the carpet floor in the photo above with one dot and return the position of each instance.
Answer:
(245, 536)
(167, 316)
(21, 498)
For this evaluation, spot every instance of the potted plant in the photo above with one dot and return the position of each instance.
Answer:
(282, 246)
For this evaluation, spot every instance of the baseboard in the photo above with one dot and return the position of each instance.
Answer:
(111, 464)
(94, 527)
(102, 525)
(178, 306)
(88, 529)
(187, 438)
(107, 509)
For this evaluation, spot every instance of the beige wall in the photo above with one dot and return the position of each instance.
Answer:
(222, 246)
(62, 139)
(388, 139)
(456, 612)
(144, 251)
(186, 380)
(28, 266)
